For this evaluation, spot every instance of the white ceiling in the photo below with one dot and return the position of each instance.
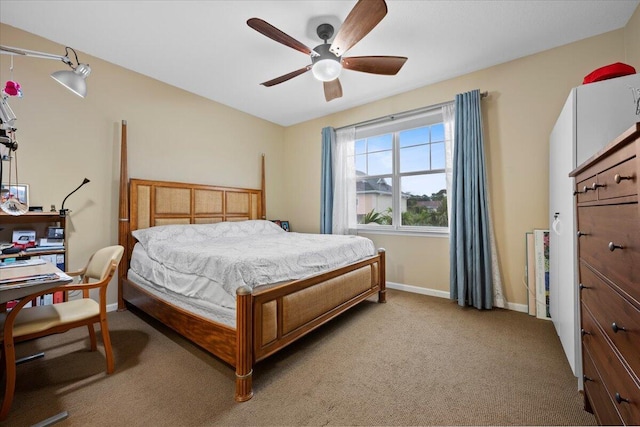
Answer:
(206, 47)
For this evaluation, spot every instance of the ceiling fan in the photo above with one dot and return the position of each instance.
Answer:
(327, 60)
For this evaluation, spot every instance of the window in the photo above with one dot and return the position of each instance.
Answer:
(400, 174)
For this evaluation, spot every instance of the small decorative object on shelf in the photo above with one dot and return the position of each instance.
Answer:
(24, 239)
(15, 198)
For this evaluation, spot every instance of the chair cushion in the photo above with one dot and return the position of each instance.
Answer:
(37, 319)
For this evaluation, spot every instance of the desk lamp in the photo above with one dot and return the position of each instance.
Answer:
(73, 80)
(63, 211)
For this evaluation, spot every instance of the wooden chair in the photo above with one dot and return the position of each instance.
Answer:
(40, 321)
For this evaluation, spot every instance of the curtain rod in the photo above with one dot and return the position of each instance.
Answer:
(405, 113)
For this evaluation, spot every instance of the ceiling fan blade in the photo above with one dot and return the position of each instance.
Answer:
(286, 77)
(387, 65)
(273, 33)
(332, 90)
(364, 16)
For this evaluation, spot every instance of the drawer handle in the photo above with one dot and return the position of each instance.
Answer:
(584, 332)
(595, 186)
(586, 378)
(577, 192)
(621, 399)
(581, 286)
(586, 189)
(617, 328)
(613, 246)
(580, 234)
(617, 178)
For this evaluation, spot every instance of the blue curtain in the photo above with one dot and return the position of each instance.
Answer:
(326, 181)
(470, 248)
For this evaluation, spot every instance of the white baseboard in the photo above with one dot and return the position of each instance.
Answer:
(112, 307)
(523, 308)
(418, 290)
(443, 294)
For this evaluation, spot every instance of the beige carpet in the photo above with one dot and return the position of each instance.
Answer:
(416, 360)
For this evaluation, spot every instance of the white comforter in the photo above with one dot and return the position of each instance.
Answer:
(251, 253)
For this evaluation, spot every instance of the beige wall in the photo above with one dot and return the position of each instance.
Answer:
(632, 40)
(525, 98)
(172, 135)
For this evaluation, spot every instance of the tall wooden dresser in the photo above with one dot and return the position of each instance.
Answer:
(607, 188)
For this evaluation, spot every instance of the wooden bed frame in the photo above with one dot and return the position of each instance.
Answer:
(267, 319)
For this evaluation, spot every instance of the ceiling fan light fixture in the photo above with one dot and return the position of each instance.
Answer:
(326, 66)
(326, 69)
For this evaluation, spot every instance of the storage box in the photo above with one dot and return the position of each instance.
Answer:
(24, 238)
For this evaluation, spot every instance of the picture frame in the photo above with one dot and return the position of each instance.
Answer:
(20, 191)
(285, 225)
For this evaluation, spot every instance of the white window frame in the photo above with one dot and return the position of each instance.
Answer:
(394, 126)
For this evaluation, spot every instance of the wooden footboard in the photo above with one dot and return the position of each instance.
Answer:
(285, 313)
(271, 318)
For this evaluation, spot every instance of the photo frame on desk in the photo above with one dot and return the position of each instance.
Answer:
(19, 191)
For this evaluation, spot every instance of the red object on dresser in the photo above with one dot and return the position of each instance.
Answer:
(609, 72)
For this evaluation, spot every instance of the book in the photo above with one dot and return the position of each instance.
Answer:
(541, 238)
(60, 262)
(46, 248)
(530, 273)
(58, 297)
(47, 299)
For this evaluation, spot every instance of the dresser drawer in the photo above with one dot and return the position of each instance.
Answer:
(613, 313)
(601, 404)
(618, 181)
(585, 191)
(602, 226)
(613, 373)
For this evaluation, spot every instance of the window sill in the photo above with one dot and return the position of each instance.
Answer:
(407, 232)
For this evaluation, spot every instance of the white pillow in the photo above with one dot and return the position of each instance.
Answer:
(194, 233)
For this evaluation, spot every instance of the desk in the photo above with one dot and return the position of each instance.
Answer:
(13, 290)
(15, 286)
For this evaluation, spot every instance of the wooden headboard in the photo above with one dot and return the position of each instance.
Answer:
(148, 203)
(161, 202)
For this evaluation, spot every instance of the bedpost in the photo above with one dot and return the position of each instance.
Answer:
(263, 202)
(382, 293)
(244, 344)
(123, 216)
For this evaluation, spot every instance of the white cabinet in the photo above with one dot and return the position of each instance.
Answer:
(593, 115)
